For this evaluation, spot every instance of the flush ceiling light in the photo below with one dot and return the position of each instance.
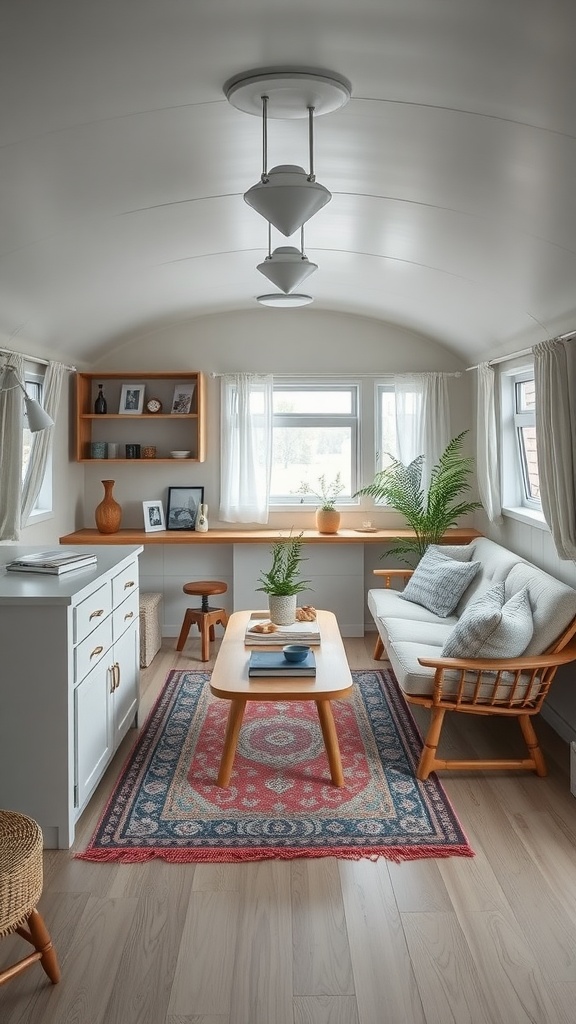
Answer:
(286, 196)
(287, 301)
(287, 266)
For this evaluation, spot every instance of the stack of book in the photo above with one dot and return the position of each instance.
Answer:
(273, 663)
(297, 633)
(53, 563)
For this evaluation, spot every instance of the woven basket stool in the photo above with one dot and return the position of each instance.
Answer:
(205, 617)
(150, 632)
(20, 890)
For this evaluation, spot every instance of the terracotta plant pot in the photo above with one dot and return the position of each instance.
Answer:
(108, 514)
(327, 521)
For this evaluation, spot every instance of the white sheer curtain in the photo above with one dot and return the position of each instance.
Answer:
(555, 387)
(422, 418)
(11, 449)
(487, 467)
(42, 441)
(246, 440)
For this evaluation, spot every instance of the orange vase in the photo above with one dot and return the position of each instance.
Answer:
(108, 514)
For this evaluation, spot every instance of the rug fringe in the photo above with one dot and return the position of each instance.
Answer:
(228, 856)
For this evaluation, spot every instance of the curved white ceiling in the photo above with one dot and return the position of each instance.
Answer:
(452, 169)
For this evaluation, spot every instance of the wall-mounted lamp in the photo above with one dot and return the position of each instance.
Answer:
(38, 418)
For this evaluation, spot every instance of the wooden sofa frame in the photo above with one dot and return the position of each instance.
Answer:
(531, 675)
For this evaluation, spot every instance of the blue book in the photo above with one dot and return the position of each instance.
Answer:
(273, 663)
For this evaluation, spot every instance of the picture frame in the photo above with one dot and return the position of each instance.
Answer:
(132, 399)
(182, 400)
(153, 516)
(183, 504)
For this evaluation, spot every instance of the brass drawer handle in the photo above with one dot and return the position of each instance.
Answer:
(116, 670)
(97, 650)
(96, 614)
(129, 615)
(129, 583)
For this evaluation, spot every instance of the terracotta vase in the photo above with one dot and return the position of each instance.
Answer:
(327, 521)
(108, 514)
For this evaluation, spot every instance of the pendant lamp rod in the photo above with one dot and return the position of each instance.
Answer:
(269, 240)
(264, 176)
(311, 176)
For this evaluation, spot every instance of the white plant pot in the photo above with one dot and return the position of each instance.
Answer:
(282, 609)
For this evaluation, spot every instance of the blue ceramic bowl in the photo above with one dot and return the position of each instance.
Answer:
(295, 652)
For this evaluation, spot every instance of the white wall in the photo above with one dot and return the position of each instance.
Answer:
(276, 341)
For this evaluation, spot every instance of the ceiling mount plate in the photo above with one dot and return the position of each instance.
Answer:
(290, 91)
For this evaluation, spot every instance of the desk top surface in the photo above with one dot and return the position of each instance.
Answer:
(459, 535)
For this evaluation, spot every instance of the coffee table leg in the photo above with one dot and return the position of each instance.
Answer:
(330, 741)
(235, 716)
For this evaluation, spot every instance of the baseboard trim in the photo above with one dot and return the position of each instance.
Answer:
(566, 731)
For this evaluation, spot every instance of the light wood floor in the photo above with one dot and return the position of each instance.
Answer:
(488, 940)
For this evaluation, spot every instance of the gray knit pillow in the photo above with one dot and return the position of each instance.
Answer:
(491, 628)
(438, 582)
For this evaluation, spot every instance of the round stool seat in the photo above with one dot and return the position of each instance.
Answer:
(20, 868)
(205, 588)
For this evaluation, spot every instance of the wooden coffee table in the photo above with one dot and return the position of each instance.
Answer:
(230, 681)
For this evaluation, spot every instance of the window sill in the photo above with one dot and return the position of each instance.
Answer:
(526, 515)
(38, 517)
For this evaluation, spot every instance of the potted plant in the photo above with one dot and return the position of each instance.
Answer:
(428, 514)
(327, 515)
(282, 582)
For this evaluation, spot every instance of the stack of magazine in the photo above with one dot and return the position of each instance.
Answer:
(54, 563)
(297, 633)
(273, 663)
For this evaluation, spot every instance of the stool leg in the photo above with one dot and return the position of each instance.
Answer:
(43, 943)
(205, 630)
(188, 620)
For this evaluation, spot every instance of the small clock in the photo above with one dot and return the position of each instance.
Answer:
(154, 405)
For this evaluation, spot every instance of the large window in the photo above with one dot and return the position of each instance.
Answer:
(525, 431)
(315, 433)
(43, 506)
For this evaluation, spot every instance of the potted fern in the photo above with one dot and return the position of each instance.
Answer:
(282, 582)
(431, 514)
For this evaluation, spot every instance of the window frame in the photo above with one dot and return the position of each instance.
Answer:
(526, 418)
(353, 420)
(33, 381)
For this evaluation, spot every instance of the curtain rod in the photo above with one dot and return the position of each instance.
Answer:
(522, 352)
(344, 376)
(32, 359)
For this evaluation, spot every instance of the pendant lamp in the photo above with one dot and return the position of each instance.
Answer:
(286, 267)
(38, 418)
(286, 196)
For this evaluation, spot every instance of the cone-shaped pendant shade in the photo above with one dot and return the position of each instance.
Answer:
(287, 268)
(287, 200)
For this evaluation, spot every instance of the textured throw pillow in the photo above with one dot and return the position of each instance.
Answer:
(492, 628)
(438, 582)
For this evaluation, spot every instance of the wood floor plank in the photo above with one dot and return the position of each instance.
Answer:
(262, 978)
(450, 986)
(384, 981)
(538, 832)
(322, 964)
(217, 877)
(202, 979)
(325, 1010)
(418, 885)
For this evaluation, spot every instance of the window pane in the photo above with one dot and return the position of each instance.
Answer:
(316, 402)
(527, 437)
(525, 396)
(305, 453)
(33, 390)
(387, 445)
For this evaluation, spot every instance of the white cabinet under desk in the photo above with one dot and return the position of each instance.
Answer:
(69, 682)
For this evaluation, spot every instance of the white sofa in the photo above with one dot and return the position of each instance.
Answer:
(414, 636)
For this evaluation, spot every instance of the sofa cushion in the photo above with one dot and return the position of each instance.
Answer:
(386, 603)
(491, 627)
(553, 603)
(418, 679)
(438, 582)
(433, 633)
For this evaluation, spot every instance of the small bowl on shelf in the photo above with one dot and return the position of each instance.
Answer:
(295, 652)
(180, 455)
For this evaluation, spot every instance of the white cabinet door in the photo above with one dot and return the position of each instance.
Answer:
(126, 680)
(93, 747)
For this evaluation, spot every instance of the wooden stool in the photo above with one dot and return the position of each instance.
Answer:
(205, 617)
(20, 889)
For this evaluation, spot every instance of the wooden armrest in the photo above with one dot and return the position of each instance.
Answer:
(404, 573)
(521, 664)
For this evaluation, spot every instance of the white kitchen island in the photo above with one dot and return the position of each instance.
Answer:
(69, 682)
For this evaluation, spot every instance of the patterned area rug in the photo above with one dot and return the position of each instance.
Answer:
(280, 802)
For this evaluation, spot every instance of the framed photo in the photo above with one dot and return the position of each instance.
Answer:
(153, 516)
(183, 505)
(183, 395)
(132, 399)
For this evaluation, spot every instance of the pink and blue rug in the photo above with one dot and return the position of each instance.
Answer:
(280, 802)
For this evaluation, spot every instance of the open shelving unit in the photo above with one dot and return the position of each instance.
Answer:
(166, 430)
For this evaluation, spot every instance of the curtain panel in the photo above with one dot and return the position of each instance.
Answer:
(555, 387)
(487, 464)
(246, 441)
(42, 441)
(422, 418)
(11, 418)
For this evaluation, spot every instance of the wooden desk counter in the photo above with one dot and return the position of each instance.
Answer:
(458, 535)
